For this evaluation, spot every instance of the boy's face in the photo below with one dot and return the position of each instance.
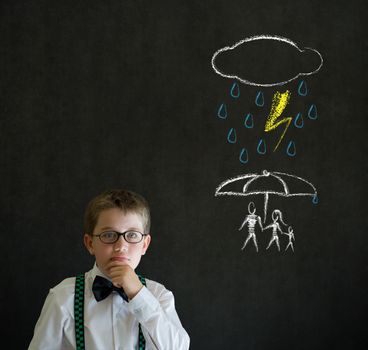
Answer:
(127, 253)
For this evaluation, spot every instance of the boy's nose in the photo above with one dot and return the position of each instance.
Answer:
(121, 245)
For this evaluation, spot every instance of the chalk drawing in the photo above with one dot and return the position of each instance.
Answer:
(251, 220)
(279, 102)
(254, 119)
(259, 101)
(243, 156)
(302, 88)
(262, 147)
(249, 121)
(270, 38)
(231, 135)
(248, 187)
(222, 111)
(291, 149)
(312, 112)
(235, 90)
(276, 217)
(278, 118)
(299, 121)
(290, 234)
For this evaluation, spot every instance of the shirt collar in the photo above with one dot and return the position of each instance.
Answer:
(97, 272)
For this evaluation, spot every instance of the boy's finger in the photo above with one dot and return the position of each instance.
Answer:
(116, 264)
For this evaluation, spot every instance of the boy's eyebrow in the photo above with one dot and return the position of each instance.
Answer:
(113, 229)
(107, 228)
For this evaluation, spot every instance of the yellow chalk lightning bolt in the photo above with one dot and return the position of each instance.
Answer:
(279, 102)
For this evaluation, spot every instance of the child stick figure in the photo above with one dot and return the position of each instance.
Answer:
(290, 234)
(251, 220)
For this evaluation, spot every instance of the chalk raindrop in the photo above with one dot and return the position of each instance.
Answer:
(291, 149)
(312, 112)
(259, 99)
(248, 121)
(299, 121)
(262, 148)
(235, 90)
(222, 111)
(231, 135)
(243, 157)
(302, 89)
(315, 199)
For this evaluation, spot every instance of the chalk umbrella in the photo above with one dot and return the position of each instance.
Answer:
(267, 183)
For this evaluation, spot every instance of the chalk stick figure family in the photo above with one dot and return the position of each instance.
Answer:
(251, 221)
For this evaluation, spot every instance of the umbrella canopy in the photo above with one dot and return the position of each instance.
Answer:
(267, 183)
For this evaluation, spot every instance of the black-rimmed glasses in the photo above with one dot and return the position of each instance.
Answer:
(110, 237)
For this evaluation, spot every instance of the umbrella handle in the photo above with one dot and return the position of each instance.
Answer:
(265, 206)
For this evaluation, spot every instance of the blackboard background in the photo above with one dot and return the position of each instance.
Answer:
(105, 94)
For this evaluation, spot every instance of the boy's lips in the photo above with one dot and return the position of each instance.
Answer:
(120, 258)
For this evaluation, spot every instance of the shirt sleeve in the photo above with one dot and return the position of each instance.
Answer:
(48, 332)
(160, 323)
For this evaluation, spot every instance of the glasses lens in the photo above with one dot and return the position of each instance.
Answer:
(109, 237)
(133, 236)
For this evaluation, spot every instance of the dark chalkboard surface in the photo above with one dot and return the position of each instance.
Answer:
(106, 94)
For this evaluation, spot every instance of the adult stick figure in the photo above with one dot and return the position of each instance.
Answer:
(276, 216)
(251, 220)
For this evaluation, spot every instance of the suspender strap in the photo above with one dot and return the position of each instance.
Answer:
(141, 340)
(79, 314)
(79, 311)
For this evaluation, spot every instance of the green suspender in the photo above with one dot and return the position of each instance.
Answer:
(141, 340)
(79, 311)
(79, 314)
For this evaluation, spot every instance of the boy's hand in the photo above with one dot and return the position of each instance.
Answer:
(123, 276)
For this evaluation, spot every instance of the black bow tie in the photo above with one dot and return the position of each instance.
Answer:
(102, 288)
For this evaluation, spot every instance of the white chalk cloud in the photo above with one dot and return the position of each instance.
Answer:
(273, 38)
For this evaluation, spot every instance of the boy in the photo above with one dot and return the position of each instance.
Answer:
(120, 312)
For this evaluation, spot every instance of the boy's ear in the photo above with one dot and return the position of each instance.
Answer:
(147, 241)
(88, 243)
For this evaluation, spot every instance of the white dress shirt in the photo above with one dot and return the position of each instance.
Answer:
(111, 323)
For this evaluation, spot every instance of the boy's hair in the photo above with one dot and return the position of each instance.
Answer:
(125, 200)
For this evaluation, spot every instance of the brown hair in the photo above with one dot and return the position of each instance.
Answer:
(127, 201)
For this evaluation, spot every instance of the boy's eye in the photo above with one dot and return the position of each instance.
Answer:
(132, 235)
(109, 235)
